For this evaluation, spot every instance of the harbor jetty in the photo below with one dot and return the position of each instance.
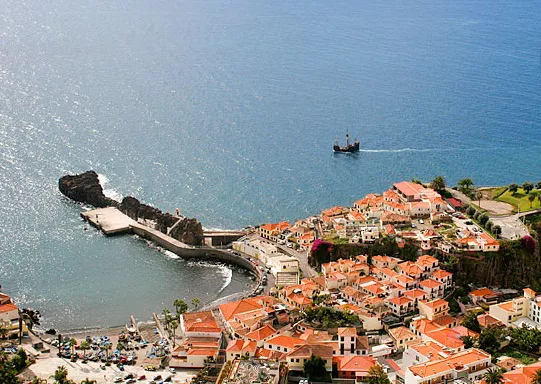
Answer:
(182, 236)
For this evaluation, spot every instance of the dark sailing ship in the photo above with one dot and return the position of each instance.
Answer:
(349, 147)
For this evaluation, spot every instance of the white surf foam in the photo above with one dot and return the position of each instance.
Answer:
(109, 192)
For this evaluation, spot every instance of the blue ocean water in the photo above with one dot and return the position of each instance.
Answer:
(228, 111)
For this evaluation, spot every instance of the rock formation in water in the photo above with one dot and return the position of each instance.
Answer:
(86, 188)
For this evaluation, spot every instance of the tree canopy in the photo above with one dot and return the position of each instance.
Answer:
(438, 183)
(314, 368)
(376, 375)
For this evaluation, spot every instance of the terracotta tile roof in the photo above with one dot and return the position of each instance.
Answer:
(261, 333)
(482, 292)
(401, 333)
(361, 364)
(440, 274)
(437, 303)
(430, 284)
(8, 308)
(347, 331)
(323, 351)
(241, 346)
(200, 322)
(450, 363)
(522, 375)
(447, 338)
(401, 301)
(285, 341)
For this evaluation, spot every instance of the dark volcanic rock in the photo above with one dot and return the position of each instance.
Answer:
(189, 231)
(85, 188)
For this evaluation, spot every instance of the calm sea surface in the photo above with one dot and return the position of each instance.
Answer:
(228, 110)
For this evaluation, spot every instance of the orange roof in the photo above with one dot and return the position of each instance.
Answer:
(437, 303)
(400, 301)
(450, 363)
(200, 322)
(425, 326)
(203, 352)
(355, 363)
(261, 333)
(281, 226)
(529, 291)
(410, 268)
(507, 306)
(285, 341)
(482, 292)
(241, 346)
(8, 308)
(333, 211)
(522, 375)
(427, 259)
(409, 188)
(245, 305)
(485, 320)
(401, 333)
(414, 293)
(429, 283)
(348, 331)
(440, 274)
(447, 338)
(429, 349)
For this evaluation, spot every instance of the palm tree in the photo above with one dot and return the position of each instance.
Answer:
(174, 325)
(494, 376)
(85, 346)
(536, 377)
(180, 307)
(438, 183)
(107, 347)
(465, 185)
(60, 375)
(196, 302)
(72, 343)
(166, 313)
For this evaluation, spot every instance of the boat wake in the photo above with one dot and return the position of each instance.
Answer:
(398, 150)
(110, 193)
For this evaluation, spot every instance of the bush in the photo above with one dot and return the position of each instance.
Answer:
(476, 215)
(489, 225)
(483, 219)
(471, 211)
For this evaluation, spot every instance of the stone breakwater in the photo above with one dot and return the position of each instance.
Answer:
(86, 188)
(113, 217)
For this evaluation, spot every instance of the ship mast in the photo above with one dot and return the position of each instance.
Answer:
(347, 137)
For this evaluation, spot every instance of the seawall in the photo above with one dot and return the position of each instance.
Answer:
(111, 221)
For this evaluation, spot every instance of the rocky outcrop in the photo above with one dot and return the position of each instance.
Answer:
(189, 231)
(86, 188)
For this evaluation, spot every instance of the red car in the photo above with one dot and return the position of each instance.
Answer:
(142, 377)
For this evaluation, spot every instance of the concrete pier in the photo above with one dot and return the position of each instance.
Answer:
(110, 220)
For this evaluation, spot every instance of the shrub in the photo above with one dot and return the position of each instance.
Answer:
(483, 219)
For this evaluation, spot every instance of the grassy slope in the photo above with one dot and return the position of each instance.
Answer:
(519, 199)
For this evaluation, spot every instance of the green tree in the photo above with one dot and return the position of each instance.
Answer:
(174, 326)
(513, 188)
(85, 346)
(490, 339)
(8, 373)
(468, 341)
(526, 339)
(106, 348)
(465, 185)
(61, 376)
(314, 368)
(376, 375)
(180, 307)
(470, 321)
(536, 377)
(531, 198)
(527, 186)
(483, 219)
(538, 185)
(497, 230)
(438, 183)
(493, 376)
(166, 317)
(489, 225)
(72, 344)
(196, 302)
(471, 210)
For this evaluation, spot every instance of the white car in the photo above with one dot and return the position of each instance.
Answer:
(421, 221)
